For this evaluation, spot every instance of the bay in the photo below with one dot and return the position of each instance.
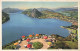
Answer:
(20, 24)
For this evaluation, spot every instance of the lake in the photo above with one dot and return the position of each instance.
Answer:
(20, 24)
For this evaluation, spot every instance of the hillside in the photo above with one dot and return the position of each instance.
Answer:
(73, 18)
(49, 14)
(11, 10)
(71, 13)
(43, 9)
(5, 17)
(65, 9)
(33, 13)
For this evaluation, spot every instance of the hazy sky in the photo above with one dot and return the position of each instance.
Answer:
(27, 5)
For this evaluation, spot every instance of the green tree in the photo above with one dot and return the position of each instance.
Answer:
(37, 45)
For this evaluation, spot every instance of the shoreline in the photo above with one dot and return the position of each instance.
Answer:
(57, 37)
(55, 34)
(74, 22)
(45, 34)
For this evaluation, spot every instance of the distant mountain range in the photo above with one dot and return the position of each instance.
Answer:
(11, 10)
(56, 10)
(40, 9)
(65, 9)
(59, 9)
(43, 9)
(14, 10)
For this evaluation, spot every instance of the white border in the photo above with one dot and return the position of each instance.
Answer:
(42, 49)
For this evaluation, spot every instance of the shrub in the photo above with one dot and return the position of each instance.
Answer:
(10, 47)
(37, 45)
(62, 44)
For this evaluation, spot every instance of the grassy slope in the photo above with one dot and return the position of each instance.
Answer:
(48, 14)
(73, 31)
(72, 45)
(72, 14)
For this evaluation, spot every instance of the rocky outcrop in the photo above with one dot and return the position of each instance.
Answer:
(35, 13)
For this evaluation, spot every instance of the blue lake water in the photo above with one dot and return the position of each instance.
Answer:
(20, 24)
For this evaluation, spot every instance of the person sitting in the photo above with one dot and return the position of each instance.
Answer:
(36, 37)
(25, 46)
(19, 41)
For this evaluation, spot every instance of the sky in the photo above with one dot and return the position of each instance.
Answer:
(27, 5)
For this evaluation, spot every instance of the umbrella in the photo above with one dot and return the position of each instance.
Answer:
(37, 34)
(29, 45)
(30, 35)
(49, 43)
(28, 40)
(23, 36)
(45, 37)
(16, 43)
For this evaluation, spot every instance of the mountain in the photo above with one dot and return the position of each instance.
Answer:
(27, 11)
(65, 9)
(43, 9)
(70, 12)
(40, 9)
(5, 17)
(49, 14)
(35, 13)
(65, 13)
(11, 10)
(32, 12)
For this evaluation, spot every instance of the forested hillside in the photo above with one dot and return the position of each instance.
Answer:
(5, 17)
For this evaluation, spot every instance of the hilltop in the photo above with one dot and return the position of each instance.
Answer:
(5, 17)
(35, 13)
(11, 10)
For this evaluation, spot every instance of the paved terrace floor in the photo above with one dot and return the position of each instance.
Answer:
(45, 45)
